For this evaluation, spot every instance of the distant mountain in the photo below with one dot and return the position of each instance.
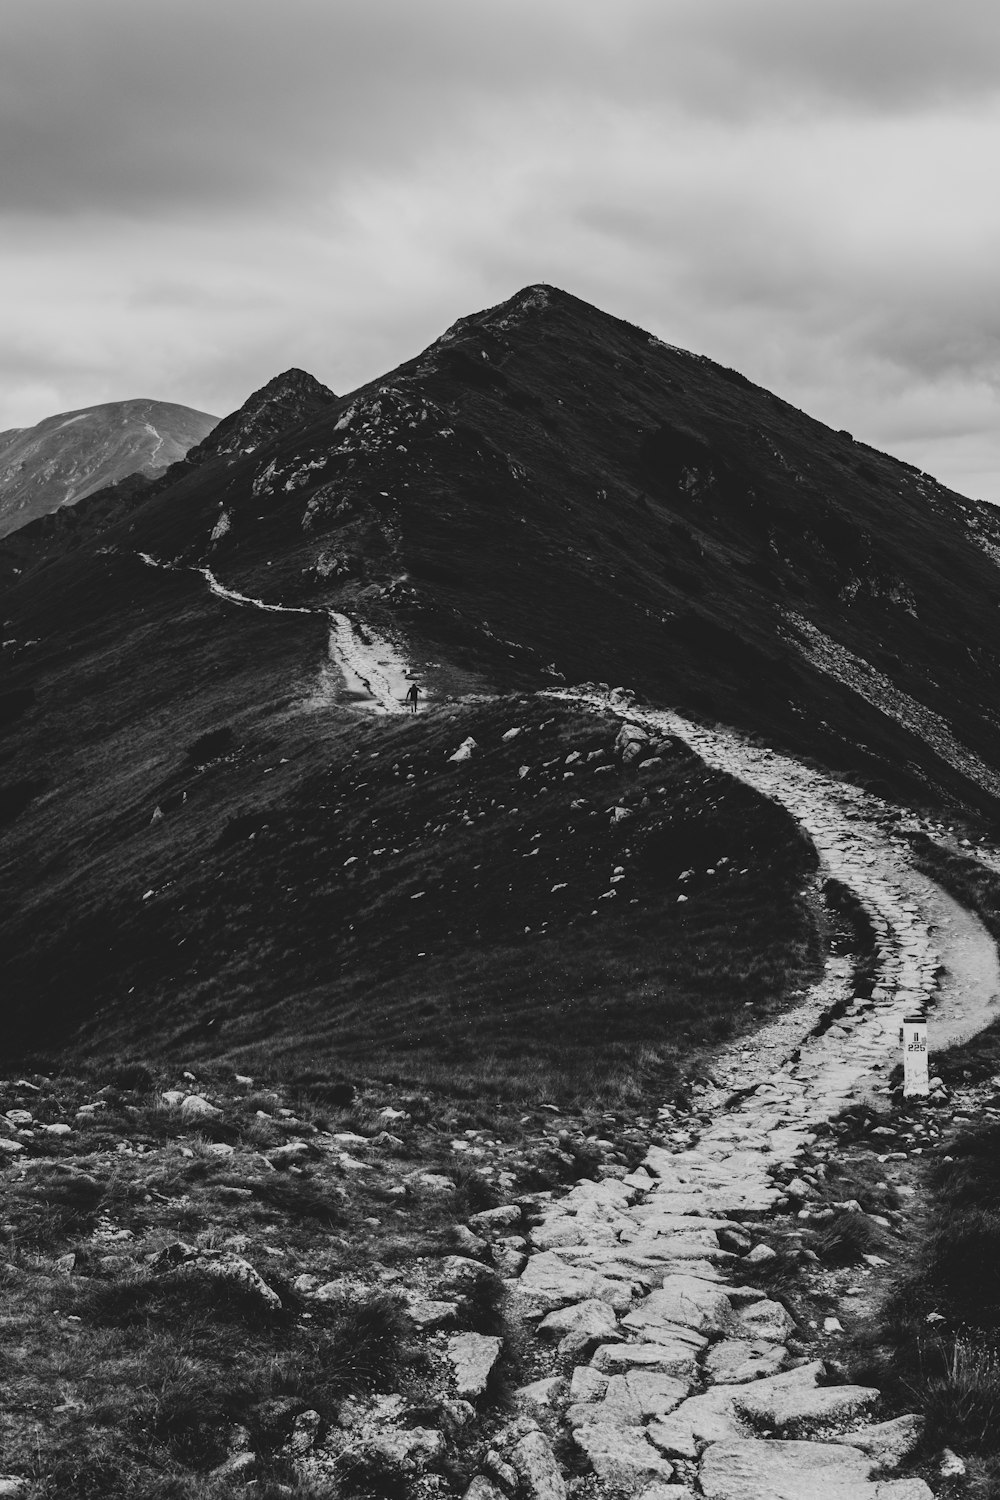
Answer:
(68, 456)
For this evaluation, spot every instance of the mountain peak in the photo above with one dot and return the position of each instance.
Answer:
(286, 400)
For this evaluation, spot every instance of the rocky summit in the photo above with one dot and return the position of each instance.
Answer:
(469, 850)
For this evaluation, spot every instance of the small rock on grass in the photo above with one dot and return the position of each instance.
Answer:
(197, 1107)
(233, 1271)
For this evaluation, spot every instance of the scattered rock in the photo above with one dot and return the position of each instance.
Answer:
(233, 1271)
(951, 1467)
(196, 1107)
(465, 750)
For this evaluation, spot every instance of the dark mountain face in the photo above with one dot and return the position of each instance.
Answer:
(69, 456)
(545, 495)
(287, 401)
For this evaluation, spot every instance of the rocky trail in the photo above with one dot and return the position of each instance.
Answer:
(640, 1301)
(688, 1383)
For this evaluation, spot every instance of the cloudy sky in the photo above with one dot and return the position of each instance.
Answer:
(196, 194)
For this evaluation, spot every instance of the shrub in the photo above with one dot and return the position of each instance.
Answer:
(846, 1238)
(959, 1392)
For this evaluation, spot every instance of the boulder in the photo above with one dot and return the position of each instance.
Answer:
(473, 1356)
(461, 1275)
(495, 1220)
(580, 1326)
(535, 1465)
(763, 1320)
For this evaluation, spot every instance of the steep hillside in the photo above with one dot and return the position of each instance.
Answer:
(545, 495)
(71, 455)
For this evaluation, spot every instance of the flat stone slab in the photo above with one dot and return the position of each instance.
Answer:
(548, 1282)
(888, 1443)
(738, 1361)
(714, 1416)
(623, 1456)
(747, 1469)
(687, 1301)
(781, 1406)
(678, 1356)
(633, 1397)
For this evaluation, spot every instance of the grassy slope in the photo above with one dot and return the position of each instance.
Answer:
(283, 872)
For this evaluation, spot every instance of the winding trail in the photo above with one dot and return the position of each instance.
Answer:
(364, 667)
(685, 1383)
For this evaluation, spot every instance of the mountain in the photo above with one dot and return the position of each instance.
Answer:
(217, 816)
(288, 400)
(66, 457)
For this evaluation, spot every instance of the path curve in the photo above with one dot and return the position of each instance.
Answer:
(682, 1382)
(368, 665)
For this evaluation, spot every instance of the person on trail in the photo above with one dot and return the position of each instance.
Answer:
(412, 694)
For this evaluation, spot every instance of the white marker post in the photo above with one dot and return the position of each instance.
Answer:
(915, 1079)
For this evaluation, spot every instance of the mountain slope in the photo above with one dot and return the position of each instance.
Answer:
(546, 494)
(548, 487)
(66, 457)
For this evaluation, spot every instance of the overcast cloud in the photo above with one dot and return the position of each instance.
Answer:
(195, 194)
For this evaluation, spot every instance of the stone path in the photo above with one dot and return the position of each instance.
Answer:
(683, 1382)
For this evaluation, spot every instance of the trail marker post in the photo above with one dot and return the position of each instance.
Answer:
(915, 1079)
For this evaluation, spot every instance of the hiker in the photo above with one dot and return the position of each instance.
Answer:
(412, 694)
